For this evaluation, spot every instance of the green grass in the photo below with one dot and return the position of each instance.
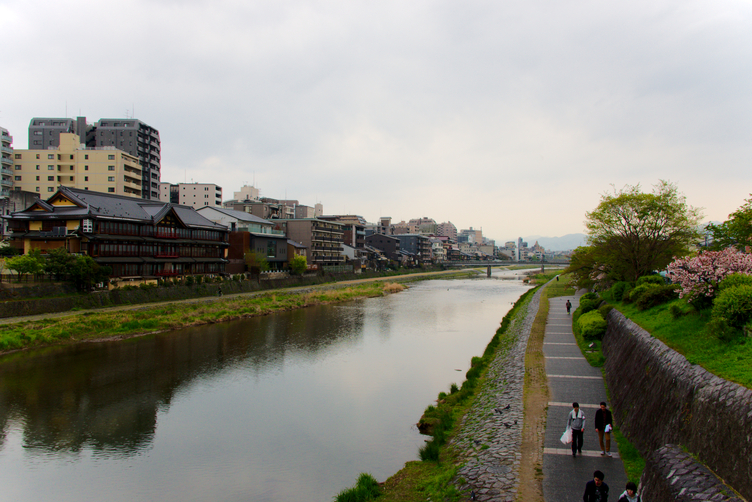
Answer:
(633, 462)
(366, 489)
(688, 336)
(132, 322)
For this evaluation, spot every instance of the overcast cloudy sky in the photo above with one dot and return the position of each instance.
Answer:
(513, 116)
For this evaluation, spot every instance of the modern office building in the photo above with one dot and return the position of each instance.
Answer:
(71, 164)
(129, 135)
(6, 162)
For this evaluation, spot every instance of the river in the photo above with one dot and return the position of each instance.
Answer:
(286, 407)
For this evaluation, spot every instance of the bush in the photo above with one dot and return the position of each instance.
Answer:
(605, 309)
(589, 296)
(619, 289)
(723, 330)
(732, 280)
(656, 296)
(734, 305)
(639, 290)
(651, 279)
(592, 325)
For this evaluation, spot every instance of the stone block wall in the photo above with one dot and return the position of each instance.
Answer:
(659, 398)
(671, 474)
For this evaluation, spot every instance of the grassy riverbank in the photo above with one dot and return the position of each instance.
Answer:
(126, 323)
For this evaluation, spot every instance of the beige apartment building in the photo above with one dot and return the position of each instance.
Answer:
(71, 164)
(195, 195)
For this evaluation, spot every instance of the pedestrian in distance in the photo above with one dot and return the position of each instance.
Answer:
(569, 306)
(596, 490)
(576, 422)
(219, 290)
(603, 425)
(630, 494)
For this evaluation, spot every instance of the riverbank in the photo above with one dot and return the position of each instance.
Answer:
(148, 319)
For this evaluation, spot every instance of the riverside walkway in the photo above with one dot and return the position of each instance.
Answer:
(572, 379)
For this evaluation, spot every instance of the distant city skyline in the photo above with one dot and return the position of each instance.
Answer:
(513, 117)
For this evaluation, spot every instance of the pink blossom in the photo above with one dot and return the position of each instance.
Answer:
(699, 276)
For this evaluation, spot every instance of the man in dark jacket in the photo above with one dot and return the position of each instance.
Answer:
(603, 425)
(596, 490)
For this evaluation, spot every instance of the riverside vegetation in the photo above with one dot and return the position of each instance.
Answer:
(127, 323)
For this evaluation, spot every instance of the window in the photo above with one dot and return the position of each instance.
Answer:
(111, 190)
(50, 189)
(110, 168)
(37, 167)
(110, 178)
(50, 178)
(86, 157)
(71, 157)
(37, 142)
(71, 178)
(50, 168)
(37, 133)
(50, 156)
(87, 226)
(86, 168)
(71, 168)
(37, 154)
(18, 155)
(18, 178)
(37, 189)
(110, 157)
(38, 178)
(18, 168)
(86, 178)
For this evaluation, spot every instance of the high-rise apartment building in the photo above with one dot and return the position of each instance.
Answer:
(6, 165)
(71, 164)
(447, 229)
(129, 135)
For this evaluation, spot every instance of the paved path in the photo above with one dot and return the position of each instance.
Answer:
(570, 379)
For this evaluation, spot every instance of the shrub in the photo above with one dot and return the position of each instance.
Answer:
(189, 280)
(619, 289)
(734, 305)
(732, 280)
(656, 296)
(589, 296)
(639, 290)
(651, 279)
(588, 304)
(592, 325)
(723, 330)
(605, 309)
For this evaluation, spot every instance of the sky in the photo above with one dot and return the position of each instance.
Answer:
(510, 116)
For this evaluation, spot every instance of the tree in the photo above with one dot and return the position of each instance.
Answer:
(298, 265)
(85, 272)
(634, 233)
(700, 276)
(58, 262)
(256, 262)
(25, 264)
(734, 232)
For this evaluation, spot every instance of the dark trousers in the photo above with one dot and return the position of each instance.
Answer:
(576, 440)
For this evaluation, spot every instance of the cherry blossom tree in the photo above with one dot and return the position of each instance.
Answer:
(699, 276)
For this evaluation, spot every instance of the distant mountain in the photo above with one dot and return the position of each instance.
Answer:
(563, 243)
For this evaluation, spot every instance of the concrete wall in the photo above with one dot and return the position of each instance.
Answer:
(659, 398)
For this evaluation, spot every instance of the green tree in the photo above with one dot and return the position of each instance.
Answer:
(256, 262)
(58, 262)
(298, 265)
(734, 232)
(85, 272)
(632, 233)
(25, 264)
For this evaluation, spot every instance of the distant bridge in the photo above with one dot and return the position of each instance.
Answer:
(504, 263)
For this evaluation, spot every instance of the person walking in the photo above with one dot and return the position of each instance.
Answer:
(603, 425)
(569, 306)
(630, 494)
(596, 490)
(576, 422)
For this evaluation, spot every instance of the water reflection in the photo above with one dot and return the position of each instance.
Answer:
(291, 406)
(105, 396)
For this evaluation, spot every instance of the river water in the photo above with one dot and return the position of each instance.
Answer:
(286, 407)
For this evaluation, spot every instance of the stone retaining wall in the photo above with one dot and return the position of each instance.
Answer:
(659, 398)
(672, 474)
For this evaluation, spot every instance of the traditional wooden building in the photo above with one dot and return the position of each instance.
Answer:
(135, 237)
